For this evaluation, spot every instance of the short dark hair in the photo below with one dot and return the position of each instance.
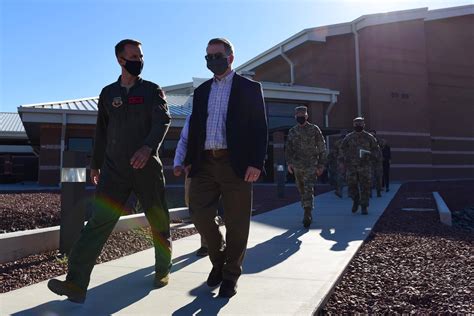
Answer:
(120, 47)
(229, 48)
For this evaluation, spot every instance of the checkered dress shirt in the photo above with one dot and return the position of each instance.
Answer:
(217, 113)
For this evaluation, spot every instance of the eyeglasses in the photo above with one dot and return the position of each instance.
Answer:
(215, 56)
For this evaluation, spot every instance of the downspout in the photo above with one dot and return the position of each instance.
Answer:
(326, 116)
(63, 143)
(292, 66)
(357, 64)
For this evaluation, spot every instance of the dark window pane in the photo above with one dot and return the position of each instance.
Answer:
(80, 144)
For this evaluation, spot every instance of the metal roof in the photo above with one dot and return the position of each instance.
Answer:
(179, 105)
(10, 123)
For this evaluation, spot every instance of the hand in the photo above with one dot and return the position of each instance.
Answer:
(319, 171)
(95, 175)
(290, 169)
(140, 158)
(252, 174)
(177, 171)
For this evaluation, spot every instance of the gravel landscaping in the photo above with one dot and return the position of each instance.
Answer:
(411, 263)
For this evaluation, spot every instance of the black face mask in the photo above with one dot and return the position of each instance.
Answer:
(218, 66)
(358, 128)
(301, 119)
(134, 67)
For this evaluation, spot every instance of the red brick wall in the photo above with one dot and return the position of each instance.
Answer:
(450, 51)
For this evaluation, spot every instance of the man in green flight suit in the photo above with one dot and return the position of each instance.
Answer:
(359, 150)
(132, 121)
(305, 152)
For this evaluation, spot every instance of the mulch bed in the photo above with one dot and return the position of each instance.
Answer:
(411, 263)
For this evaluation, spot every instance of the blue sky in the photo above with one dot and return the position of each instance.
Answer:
(53, 50)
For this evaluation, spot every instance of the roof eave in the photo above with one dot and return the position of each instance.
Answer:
(319, 34)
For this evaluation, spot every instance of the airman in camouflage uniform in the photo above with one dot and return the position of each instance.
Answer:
(306, 156)
(359, 150)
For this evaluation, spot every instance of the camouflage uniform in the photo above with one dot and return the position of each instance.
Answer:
(340, 174)
(306, 151)
(358, 152)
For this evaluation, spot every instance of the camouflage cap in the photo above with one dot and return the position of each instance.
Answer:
(358, 119)
(301, 109)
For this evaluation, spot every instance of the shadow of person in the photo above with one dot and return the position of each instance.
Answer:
(184, 261)
(273, 251)
(342, 239)
(105, 299)
(205, 303)
(112, 296)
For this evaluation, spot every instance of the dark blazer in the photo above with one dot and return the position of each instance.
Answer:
(246, 126)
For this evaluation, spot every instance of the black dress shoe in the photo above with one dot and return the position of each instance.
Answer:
(228, 289)
(215, 277)
(72, 291)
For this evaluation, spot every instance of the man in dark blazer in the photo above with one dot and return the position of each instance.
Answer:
(227, 143)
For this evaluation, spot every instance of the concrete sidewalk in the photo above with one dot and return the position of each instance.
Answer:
(288, 270)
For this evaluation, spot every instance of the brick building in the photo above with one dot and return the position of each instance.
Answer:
(409, 73)
(18, 162)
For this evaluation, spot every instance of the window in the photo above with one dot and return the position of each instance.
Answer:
(80, 144)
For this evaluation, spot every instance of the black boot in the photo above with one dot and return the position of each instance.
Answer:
(72, 291)
(308, 218)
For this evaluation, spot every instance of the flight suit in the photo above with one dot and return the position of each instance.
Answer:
(126, 121)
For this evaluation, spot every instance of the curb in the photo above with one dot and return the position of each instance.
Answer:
(17, 245)
(443, 210)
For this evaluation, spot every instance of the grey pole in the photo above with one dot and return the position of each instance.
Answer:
(73, 188)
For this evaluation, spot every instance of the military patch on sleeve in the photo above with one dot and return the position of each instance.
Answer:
(117, 102)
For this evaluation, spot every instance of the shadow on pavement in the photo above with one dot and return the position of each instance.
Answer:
(105, 299)
(342, 240)
(205, 303)
(273, 251)
(110, 297)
